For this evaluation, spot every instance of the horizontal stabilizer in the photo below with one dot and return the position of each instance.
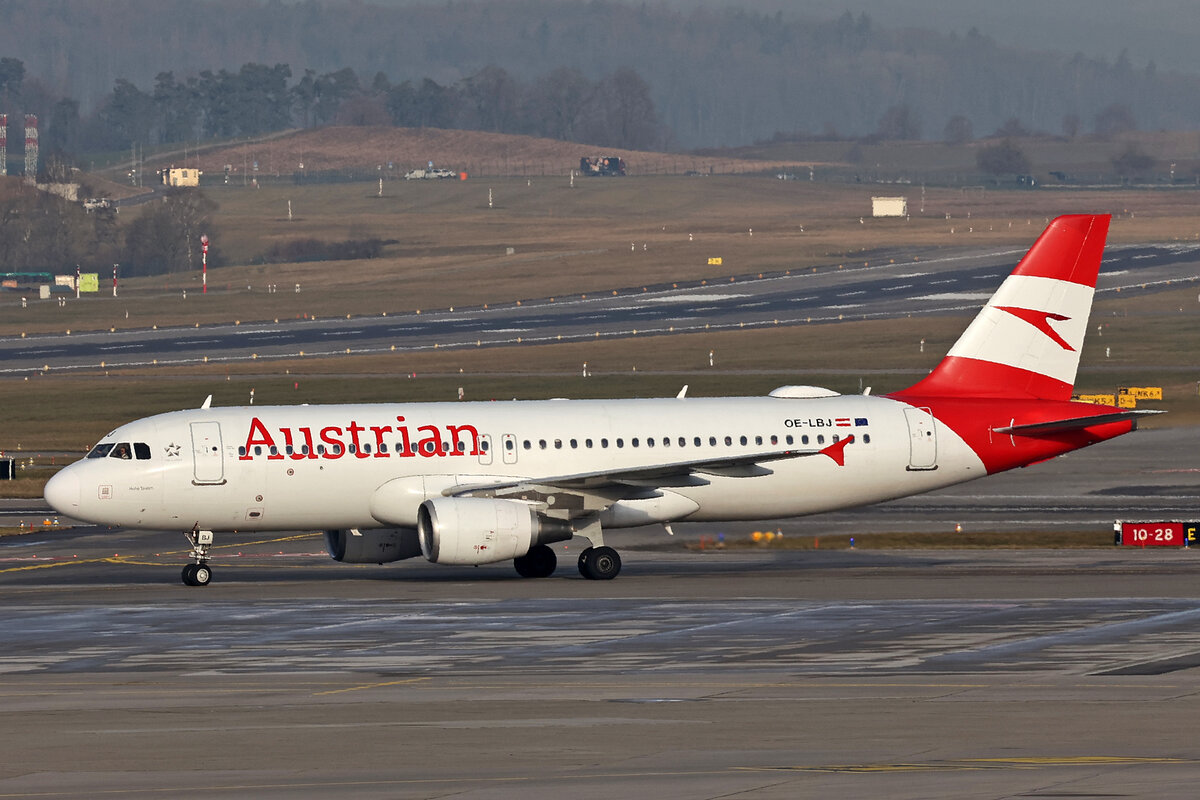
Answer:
(1074, 423)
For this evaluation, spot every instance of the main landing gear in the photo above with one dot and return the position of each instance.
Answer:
(539, 562)
(599, 563)
(198, 574)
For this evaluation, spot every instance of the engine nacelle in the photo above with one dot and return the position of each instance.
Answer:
(373, 546)
(480, 530)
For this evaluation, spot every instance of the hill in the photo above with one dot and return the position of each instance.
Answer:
(393, 151)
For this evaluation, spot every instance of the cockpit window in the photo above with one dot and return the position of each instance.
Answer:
(141, 451)
(121, 450)
(100, 450)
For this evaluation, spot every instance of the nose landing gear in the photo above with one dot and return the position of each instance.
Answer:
(198, 574)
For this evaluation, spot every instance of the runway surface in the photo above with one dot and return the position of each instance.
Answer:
(882, 285)
(748, 673)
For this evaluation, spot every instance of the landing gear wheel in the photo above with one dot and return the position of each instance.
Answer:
(201, 575)
(539, 562)
(599, 563)
(197, 575)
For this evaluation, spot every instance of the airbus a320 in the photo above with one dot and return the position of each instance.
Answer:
(479, 483)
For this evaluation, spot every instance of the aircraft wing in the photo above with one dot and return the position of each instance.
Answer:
(593, 490)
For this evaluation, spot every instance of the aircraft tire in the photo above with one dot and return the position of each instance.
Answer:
(201, 575)
(189, 575)
(539, 562)
(599, 563)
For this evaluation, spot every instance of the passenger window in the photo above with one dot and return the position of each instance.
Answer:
(604, 443)
(258, 449)
(774, 439)
(650, 442)
(743, 440)
(666, 442)
(241, 450)
(635, 441)
(574, 444)
(558, 444)
(320, 449)
(836, 438)
(274, 450)
(712, 441)
(620, 442)
(758, 440)
(803, 439)
(820, 438)
(542, 443)
(508, 444)
(527, 445)
(866, 438)
(728, 441)
(288, 449)
(682, 442)
(696, 441)
(142, 451)
(587, 443)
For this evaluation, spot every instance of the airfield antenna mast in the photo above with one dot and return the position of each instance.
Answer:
(204, 263)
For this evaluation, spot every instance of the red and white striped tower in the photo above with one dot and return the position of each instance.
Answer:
(204, 262)
(31, 146)
(3, 144)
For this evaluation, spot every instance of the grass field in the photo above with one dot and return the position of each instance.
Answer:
(451, 250)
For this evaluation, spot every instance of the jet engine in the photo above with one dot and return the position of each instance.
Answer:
(480, 530)
(372, 546)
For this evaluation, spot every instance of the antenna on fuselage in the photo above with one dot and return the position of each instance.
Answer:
(207, 402)
(682, 392)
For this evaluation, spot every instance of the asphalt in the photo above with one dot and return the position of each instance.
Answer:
(747, 672)
(885, 285)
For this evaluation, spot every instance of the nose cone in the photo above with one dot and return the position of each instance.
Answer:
(62, 491)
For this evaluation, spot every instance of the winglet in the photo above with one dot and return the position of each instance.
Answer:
(837, 450)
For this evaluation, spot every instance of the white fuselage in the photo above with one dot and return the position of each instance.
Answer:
(322, 467)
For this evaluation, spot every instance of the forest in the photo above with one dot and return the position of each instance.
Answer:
(108, 75)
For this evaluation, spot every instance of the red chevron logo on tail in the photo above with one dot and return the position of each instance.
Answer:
(1041, 321)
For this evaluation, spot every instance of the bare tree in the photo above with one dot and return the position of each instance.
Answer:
(958, 130)
(1004, 158)
(1132, 162)
(1114, 120)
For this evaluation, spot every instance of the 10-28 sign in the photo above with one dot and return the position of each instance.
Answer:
(1153, 534)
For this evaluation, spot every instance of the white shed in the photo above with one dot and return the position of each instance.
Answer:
(889, 206)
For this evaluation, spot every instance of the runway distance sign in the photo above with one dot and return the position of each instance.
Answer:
(1156, 534)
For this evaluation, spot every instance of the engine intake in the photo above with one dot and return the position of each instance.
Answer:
(372, 546)
(480, 530)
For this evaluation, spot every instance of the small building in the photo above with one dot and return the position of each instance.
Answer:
(889, 206)
(181, 176)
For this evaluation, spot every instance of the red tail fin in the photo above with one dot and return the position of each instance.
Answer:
(1025, 342)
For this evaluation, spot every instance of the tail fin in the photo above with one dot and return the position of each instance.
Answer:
(1025, 342)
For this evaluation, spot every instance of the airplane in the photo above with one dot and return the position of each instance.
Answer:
(470, 483)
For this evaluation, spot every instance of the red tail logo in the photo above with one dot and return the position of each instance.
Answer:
(1041, 321)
